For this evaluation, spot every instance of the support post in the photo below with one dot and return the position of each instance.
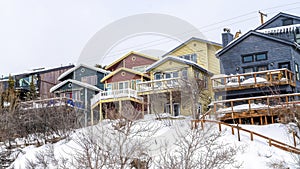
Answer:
(251, 136)
(171, 104)
(220, 129)
(294, 138)
(92, 116)
(148, 104)
(100, 112)
(232, 130)
(120, 108)
(238, 131)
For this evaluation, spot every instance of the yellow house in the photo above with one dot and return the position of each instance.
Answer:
(177, 87)
(200, 51)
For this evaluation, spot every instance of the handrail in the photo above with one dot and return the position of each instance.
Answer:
(128, 92)
(261, 78)
(271, 141)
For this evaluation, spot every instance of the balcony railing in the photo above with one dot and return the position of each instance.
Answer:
(114, 94)
(52, 102)
(254, 79)
(161, 84)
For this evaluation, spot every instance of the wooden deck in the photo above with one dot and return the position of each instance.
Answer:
(257, 110)
(253, 80)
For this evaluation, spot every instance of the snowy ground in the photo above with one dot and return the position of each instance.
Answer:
(255, 154)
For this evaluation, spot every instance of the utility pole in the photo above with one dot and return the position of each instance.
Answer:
(262, 17)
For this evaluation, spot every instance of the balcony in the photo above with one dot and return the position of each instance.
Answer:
(114, 94)
(161, 84)
(254, 79)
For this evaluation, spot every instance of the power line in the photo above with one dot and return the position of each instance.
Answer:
(167, 40)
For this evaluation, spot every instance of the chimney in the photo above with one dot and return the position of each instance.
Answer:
(227, 37)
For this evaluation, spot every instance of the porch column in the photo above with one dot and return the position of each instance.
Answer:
(100, 112)
(143, 108)
(92, 116)
(171, 104)
(120, 108)
(148, 104)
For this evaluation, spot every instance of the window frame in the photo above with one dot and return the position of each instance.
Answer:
(244, 56)
(297, 71)
(265, 54)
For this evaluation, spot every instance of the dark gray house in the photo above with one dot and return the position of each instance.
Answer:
(275, 45)
(80, 84)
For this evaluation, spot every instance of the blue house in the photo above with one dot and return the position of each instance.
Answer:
(80, 84)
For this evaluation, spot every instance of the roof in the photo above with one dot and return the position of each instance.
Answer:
(85, 85)
(240, 39)
(132, 52)
(177, 59)
(276, 17)
(40, 70)
(188, 41)
(123, 69)
(66, 73)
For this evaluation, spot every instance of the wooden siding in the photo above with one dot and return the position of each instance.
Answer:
(48, 80)
(205, 52)
(119, 77)
(129, 62)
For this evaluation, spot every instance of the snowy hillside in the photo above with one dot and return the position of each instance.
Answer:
(160, 139)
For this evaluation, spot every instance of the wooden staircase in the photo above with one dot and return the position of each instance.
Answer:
(272, 142)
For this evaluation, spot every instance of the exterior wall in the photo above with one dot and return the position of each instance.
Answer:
(85, 72)
(231, 61)
(119, 77)
(48, 80)
(205, 52)
(131, 61)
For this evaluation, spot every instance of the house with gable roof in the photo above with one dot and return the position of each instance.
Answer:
(174, 85)
(80, 84)
(200, 51)
(120, 88)
(257, 67)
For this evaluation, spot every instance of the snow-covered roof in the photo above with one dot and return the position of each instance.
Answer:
(280, 29)
(178, 59)
(66, 73)
(86, 85)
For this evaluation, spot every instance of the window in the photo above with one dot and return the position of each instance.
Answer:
(286, 22)
(248, 70)
(191, 57)
(140, 68)
(297, 71)
(108, 86)
(184, 74)
(247, 58)
(92, 80)
(254, 57)
(297, 36)
(157, 76)
(261, 68)
(123, 85)
(171, 75)
(260, 57)
(284, 65)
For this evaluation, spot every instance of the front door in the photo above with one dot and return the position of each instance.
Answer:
(176, 109)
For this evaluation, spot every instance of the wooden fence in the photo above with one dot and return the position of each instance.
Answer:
(272, 142)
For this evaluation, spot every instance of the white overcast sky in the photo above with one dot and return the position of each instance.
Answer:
(50, 33)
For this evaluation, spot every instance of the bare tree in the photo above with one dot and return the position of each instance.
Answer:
(199, 149)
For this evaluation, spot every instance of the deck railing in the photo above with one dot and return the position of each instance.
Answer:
(158, 84)
(114, 94)
(254, 79)
(256, 103)
(52, 102)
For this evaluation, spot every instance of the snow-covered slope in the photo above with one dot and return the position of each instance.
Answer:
(252, 154)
